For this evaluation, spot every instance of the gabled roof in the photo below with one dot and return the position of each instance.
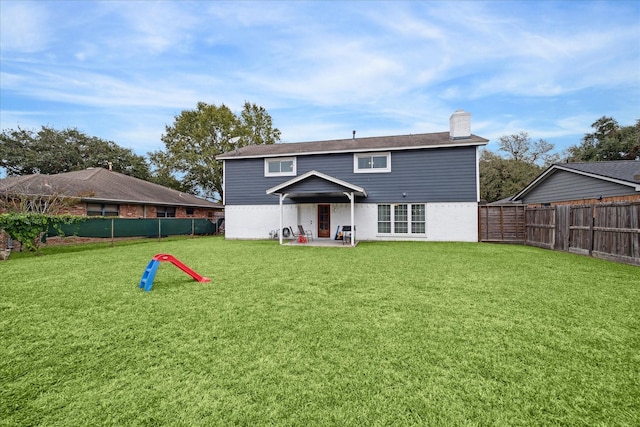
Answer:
(623, 172)
(353, 145)
(338, 186)
(102, 186)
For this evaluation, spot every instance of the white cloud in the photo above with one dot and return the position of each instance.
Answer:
(24, 27)
(379, 67)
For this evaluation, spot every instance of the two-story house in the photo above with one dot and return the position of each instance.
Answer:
(408, 187)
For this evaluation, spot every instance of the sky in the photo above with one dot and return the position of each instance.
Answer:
(123, 70)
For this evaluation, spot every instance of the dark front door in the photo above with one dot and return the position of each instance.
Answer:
(324, 220)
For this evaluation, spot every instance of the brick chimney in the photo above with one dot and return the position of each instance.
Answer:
(460, 125)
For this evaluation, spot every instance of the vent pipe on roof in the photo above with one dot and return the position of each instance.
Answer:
(110, 166)
(234, 141)
(354, 134)
(460, 125)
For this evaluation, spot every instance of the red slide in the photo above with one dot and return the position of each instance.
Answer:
(173, 260)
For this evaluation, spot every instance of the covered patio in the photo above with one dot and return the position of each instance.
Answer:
(315, 185)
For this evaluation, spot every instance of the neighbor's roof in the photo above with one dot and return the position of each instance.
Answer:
(104, 186)
(625, 172)
(352, 145)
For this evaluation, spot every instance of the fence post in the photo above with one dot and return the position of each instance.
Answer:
(591, 230)
(502, 223)
(112, 233)
(555, 227)
(634, 211)
(159, 229)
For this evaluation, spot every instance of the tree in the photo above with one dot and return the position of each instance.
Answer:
(520, 147)
(501, 178)
(51, 151)
(608, 141)
(198, 136)
(163, 174)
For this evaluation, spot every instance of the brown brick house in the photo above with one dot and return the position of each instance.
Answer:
(101, 192)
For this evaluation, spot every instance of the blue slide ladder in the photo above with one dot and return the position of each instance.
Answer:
(149, 274)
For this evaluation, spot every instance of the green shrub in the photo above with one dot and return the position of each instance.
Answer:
(28, 228)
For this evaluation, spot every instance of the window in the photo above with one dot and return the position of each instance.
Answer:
(371, 162)
(190, 211)
(97, 209)
(400, 214)
(283, 166)
(418, 219)
(165, 212)
(402, 219)
(384, 219)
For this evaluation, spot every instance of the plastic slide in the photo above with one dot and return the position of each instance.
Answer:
(150, 272)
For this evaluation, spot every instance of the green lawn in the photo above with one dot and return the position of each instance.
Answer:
(382, 334)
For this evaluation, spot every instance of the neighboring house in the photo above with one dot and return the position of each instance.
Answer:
(590, 182)
(409, 187)
(101, 192)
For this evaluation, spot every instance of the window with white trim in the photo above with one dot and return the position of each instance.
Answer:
(371, 162)
(403, 218)
(400, 215)
(418, 219)
(281, 166)
(384, 218)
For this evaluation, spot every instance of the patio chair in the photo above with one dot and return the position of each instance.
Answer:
(307, 233)
(347, 234)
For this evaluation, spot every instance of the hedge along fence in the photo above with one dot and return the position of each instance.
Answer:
(141, 227)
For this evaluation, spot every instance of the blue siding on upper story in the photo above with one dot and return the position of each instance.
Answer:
(564, 186)
(425, 175)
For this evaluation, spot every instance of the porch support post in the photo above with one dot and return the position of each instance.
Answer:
(352, 199)
(282, 197)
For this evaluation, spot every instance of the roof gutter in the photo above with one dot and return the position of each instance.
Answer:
(231, 156)
(138, 202)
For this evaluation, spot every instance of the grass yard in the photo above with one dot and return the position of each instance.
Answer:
(383, 334)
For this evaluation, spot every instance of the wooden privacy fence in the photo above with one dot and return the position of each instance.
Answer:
(609, 231)
(501, 224)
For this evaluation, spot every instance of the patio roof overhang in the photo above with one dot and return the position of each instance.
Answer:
(316, 184)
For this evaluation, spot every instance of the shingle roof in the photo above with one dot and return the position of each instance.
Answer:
(102, 185)
(400, 142)
(624, 170)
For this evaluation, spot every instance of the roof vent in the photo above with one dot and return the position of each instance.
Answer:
(354, 134)
(636, 177)
(460, 125)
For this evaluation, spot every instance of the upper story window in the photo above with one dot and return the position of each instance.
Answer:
(280, 166)
(371, 162)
